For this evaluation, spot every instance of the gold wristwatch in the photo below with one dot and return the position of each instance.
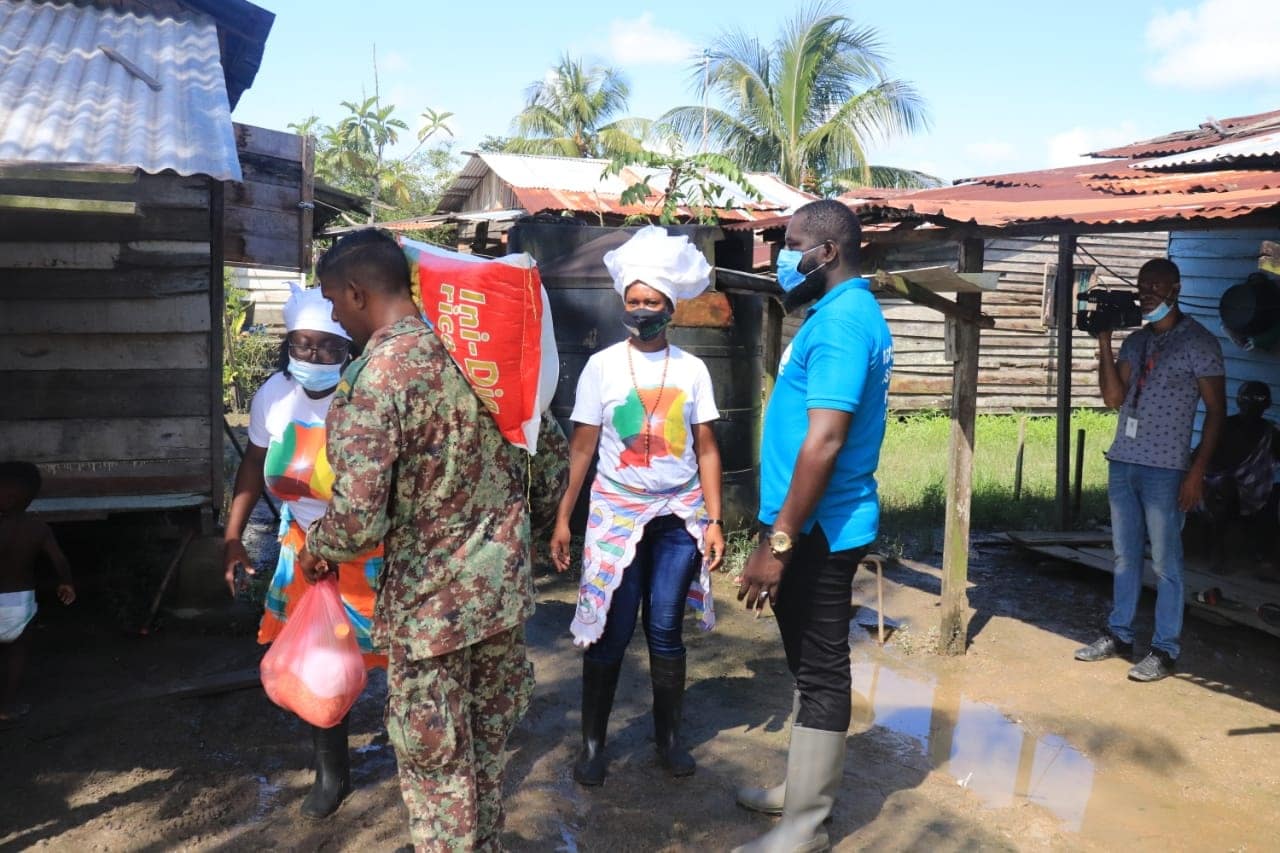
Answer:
(779, 543)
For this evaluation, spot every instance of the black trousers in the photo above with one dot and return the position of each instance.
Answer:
(813, 611)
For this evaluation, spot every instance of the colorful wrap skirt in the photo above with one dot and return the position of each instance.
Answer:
(616, 518)
(356, 581)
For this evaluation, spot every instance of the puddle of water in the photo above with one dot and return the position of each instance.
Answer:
(974, 743)
(568, 843)
(268, 795)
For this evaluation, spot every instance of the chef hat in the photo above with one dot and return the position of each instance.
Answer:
(308, 309)
(669, 264)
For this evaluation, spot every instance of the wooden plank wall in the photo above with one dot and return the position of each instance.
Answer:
(1211, 262)
(105, 322)
(1017, 368)
(264, 227)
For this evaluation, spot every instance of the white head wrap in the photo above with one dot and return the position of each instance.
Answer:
(670, 265)
(308, 309)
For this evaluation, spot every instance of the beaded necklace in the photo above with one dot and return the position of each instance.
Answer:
(648, 413)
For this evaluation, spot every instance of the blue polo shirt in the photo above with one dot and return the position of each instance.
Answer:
(840, 359)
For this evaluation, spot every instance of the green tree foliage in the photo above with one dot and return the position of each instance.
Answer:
(698, 183)
(572, 112)
(806, 106)
(355, 155)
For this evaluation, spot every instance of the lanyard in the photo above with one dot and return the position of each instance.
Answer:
(1152, 347)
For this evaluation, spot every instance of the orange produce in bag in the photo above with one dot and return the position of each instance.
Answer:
(314, 667)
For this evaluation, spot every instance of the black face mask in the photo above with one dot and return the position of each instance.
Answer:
(808, 290)
(646, 324)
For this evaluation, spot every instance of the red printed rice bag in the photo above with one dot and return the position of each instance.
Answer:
(314, 667)
(494, 319)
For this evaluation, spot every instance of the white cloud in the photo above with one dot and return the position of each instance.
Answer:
(636, 41)
(990, 152)
(1069, 147)
(1216, 44)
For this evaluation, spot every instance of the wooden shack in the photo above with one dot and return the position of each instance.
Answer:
(1017, 365)
(111, 245)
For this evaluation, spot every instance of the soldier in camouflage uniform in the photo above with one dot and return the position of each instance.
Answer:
(420, 465)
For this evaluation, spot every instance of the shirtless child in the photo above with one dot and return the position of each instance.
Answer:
(23, 540)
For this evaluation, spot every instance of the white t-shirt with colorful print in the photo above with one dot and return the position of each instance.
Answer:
(290, 425)
(608, 397)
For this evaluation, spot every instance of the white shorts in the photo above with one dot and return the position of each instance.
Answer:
(17, 609)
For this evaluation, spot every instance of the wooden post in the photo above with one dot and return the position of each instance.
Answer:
(1065, 301)
(772, 345)
(1017, 460)
(217, 310)
(307, 206)
(1079, 480)
(953, 631)
(772, 354)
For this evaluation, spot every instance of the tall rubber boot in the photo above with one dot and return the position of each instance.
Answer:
(815, 766)
(668, 676)
(599, 683)
(769, 800)
(333, 772)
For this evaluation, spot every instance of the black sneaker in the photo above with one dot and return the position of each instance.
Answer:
(1155, 666)
(1106, 646)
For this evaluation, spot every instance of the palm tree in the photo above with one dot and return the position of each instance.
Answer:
(571, 113)
(365, 133)
(806, 106)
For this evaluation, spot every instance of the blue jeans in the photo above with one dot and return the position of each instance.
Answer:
(657, 581)
(1144, 502)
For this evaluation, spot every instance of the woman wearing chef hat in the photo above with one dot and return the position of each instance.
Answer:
(644, 412)
(286, 456)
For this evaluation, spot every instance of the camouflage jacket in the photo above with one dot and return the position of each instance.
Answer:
(419, 464)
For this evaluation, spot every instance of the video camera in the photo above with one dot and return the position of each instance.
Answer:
(1116, 309)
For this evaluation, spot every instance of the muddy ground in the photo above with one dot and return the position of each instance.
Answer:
(1013, 746)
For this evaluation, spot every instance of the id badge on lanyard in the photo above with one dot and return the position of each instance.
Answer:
(1149, 357)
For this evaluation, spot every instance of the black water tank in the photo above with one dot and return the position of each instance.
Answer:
(588, 318)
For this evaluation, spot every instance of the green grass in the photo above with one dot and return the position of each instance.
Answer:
(913, 470)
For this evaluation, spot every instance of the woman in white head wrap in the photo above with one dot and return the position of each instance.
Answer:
(286, 457)
(644, 412)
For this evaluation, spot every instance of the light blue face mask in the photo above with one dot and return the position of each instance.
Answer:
(315, 377)
(789, 275)
(1158, 313)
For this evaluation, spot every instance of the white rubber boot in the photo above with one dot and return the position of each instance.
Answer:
(815, 766)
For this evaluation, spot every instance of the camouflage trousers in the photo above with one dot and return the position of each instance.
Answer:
(448, 718)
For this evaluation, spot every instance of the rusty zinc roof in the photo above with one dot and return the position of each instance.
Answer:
(1212, 132)
(1142, 188)
(105, 86)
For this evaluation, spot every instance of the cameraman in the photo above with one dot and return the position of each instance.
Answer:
(1164, 369)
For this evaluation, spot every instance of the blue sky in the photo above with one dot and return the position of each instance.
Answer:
(1010, 85)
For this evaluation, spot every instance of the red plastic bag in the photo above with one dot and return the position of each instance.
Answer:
(494, 318)
(314, 667)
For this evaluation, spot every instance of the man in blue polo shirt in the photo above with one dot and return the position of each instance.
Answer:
(819, 505)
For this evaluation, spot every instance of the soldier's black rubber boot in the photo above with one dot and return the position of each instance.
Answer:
(599, 682)
(668, 702)
(333, 772)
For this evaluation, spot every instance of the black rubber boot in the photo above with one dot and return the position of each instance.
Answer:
(333, 772)
(668, 702)
(599, 682)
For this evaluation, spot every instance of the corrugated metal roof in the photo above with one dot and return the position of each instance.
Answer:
(66, 101)
(580, 185)
(1261, 147)
(1207, 134)
(573, 174)
(1138, 189)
